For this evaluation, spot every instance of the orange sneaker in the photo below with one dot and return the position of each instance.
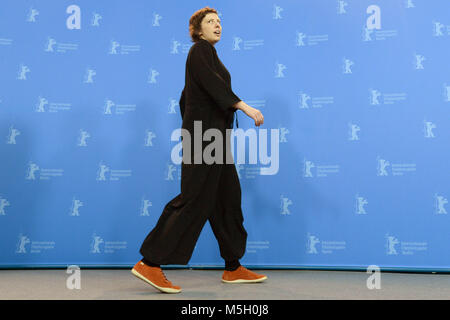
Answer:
(242, 275)
(154, 276)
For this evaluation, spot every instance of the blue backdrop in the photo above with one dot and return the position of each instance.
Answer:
(359, 91)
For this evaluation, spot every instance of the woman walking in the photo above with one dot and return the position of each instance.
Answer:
(208, 191)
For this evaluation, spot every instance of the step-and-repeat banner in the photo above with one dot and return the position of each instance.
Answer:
(356, 100)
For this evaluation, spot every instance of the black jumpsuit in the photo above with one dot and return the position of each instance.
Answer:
(208, 191)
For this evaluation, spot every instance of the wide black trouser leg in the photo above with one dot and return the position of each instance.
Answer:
(227, 220)
(216, 197)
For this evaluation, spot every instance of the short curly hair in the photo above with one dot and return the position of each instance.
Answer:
(196, 20)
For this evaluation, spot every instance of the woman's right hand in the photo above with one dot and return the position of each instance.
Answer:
(253, 113)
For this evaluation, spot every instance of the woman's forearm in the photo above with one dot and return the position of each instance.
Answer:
(241, 105)
(253, 113)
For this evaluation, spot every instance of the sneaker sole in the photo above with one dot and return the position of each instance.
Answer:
(166, 290)
(245, 281)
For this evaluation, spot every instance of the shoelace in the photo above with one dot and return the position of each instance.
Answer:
(165, 276)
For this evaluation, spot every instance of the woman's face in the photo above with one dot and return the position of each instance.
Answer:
(211, 29)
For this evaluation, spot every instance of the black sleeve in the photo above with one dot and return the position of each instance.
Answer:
(202, 68)
(181, 103)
